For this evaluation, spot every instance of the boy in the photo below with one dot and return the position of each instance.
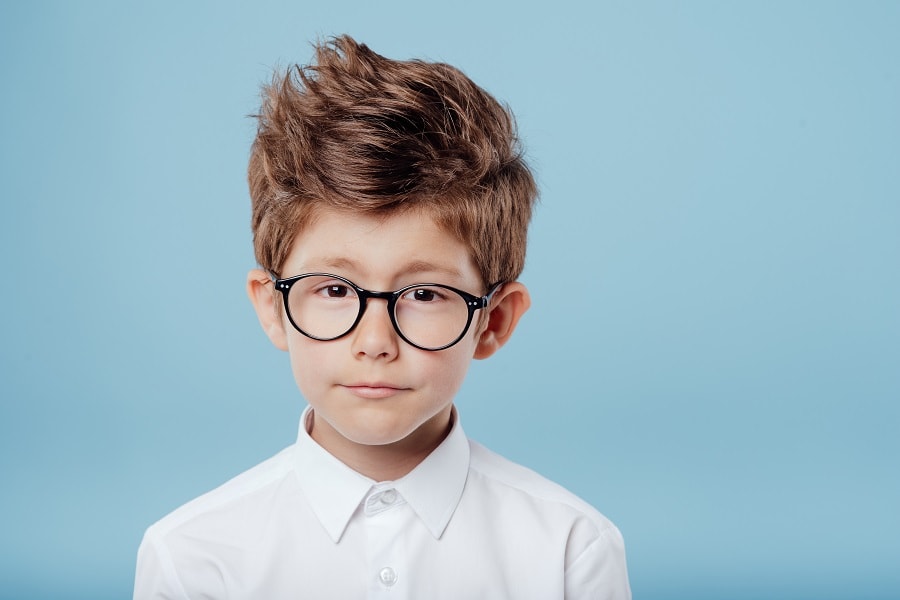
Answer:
(366, 175)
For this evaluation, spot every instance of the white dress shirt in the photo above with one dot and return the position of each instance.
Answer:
(464, 524)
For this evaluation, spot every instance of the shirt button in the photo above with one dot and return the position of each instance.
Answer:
(387, 576)
(388, 497)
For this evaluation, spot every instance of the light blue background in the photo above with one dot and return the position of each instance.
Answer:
(713, 354)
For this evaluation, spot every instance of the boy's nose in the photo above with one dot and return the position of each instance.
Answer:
(374, 335)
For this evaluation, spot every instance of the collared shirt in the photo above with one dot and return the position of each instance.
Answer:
(464, 524)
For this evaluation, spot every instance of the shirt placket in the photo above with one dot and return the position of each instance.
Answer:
(386, 518)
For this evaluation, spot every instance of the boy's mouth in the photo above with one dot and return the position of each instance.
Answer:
(373, 390)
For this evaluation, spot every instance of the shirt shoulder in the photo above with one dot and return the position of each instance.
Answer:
(546, 500)
(248, 488)
(186, 546)
(590, 545)
(503, 471)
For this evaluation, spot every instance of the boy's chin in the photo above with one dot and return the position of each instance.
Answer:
(387, 430)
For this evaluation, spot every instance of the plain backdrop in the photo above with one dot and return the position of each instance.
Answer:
(713, 354)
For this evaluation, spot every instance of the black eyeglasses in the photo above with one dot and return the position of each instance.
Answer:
(429, 316)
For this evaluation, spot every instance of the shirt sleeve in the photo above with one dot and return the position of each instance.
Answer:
(155, 577)
(599, 572)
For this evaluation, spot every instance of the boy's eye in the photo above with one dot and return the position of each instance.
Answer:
(335, 291)
(423, 295)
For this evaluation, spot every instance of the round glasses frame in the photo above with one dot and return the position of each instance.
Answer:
(473, 303)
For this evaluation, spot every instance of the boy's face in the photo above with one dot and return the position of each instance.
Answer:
(370, 388)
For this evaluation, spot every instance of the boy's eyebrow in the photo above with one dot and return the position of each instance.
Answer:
(337, 262)
(421, 266)
(411, 268)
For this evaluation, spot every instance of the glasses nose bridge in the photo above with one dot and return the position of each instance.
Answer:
(389, 297)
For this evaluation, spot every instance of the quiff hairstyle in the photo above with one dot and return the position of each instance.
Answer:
(360, 132)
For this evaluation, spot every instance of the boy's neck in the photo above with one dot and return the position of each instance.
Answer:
(387, 462)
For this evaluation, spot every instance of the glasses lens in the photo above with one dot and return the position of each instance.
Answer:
(431, 316)
(323, 307)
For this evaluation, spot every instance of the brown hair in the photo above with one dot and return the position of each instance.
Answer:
(358, 131)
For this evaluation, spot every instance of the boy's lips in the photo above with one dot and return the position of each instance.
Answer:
(373, 390)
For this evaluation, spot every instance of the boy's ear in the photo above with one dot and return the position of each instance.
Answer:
(262, 295)
(507, 306)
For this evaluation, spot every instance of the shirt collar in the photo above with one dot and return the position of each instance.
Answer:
(433, 489)
(335, 491)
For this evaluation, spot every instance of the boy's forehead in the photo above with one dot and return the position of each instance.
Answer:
(397, 225)
(413, 240)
